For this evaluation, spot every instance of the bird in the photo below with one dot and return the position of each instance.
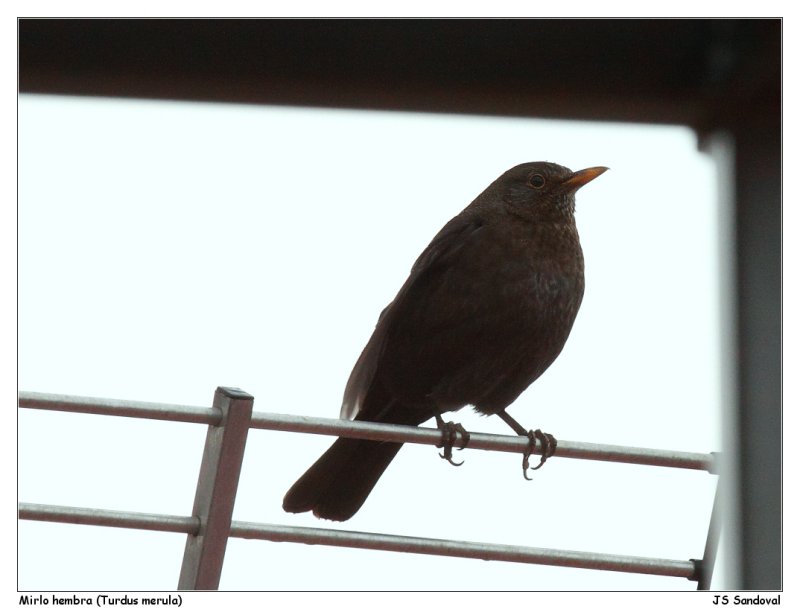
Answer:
(486, 309)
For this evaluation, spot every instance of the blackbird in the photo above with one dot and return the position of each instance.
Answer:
(486, 309)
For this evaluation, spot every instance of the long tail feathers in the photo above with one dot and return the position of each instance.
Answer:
(337, 485)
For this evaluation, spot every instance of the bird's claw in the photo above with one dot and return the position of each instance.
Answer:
(450, 432)
(549, 444)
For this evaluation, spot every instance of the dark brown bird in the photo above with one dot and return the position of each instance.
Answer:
(486, 309)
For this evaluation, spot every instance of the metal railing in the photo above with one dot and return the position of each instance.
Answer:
(229, 420)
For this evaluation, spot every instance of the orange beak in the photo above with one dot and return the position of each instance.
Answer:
(583, 177)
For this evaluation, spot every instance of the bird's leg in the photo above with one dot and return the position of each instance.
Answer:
(450, 431)
(549, 443)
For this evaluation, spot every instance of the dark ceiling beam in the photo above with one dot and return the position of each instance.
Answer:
(664, 71)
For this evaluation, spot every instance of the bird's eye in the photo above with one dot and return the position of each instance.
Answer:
(537, 180)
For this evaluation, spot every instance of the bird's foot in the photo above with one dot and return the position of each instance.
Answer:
(450, 432)
(549, 444)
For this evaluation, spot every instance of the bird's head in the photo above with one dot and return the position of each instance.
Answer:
(541, 191)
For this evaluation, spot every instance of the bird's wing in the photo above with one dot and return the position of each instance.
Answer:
(445, 246)
(457, 234)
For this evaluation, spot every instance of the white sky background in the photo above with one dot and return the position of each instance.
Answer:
(168, 248)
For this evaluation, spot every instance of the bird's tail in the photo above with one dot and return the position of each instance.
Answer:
(337, 485)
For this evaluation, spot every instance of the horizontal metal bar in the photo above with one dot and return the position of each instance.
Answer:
(464, 549)
(501, 443)
(372, 541)
(109, 518)
(370, 431)
(119, 408)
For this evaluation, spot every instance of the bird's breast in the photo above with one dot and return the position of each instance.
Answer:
(481, 328)
(537, 268)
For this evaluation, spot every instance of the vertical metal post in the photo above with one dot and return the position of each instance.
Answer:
(216, 491)
(757, 158)
(747, 147)
(705, 567)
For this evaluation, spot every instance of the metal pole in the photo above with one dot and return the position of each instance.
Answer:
(705, 567)
(502, 443)
(464, 549)
(216, 491)
(371, 541)
(369, 431)
(119, 408)
(109, 518)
